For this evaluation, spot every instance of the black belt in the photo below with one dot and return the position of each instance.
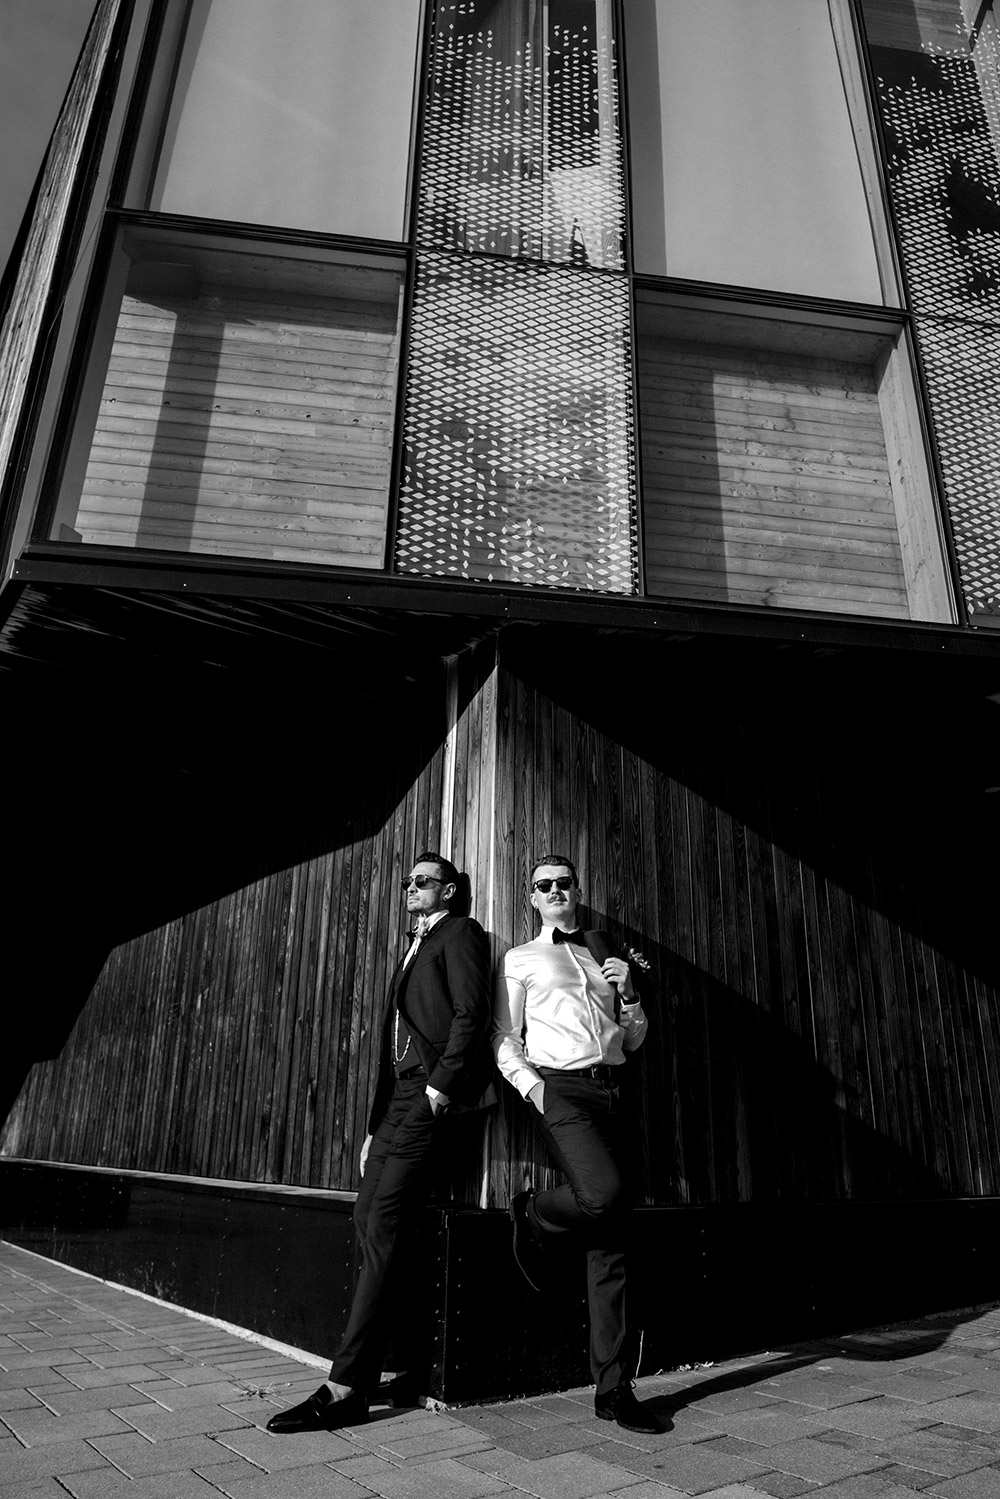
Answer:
(602, 1071)
(411, 1074)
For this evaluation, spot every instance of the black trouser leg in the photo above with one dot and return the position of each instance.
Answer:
(582, 1127)
(393, 1188)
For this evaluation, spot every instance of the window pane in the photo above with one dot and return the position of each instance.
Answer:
(294, 113)
(782, 463)
(744, 163)
(246, 409)
(522, 147)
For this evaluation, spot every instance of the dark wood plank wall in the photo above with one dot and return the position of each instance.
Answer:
(249, 420)
(238, 1041)
(766, 481)
(818, 1031)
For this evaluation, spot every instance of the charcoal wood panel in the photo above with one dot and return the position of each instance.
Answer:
(816, 1035)
(765, 480)
(810, 1040)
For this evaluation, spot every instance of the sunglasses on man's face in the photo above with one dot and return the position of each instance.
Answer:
(561, 882)
(420, 880)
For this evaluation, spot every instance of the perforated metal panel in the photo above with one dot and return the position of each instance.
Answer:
(518, 427)
(940, 105)
(519, 463)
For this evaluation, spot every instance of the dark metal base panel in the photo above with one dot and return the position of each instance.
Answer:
(706, 1283)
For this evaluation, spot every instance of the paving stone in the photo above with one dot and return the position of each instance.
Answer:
(492, 1422)
(272, 1453)
(446, 1444)
(929, 1450)
(175, 1396)
(696, 1469)
(545, 1443)
(138, 1458)
(66, 1400)
(20, 1400)
(20, 1464)
(650, 1490)
(90, 1377)
(881, 1417)
(867, 1486)
(783, 1485)
(571, 1475)
(447, 1479)
(39, 1427)
(981, 1412)
(822, 1462)
(984, 1483)
(38, 1488)
(767, 1430)
(296, 1483)
(17, 1361)
(821, 1391)
(914, 1479)
(157, 1486)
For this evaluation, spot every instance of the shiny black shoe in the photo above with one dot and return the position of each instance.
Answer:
(621, 1405)
(528, 1252)
(321, 1412)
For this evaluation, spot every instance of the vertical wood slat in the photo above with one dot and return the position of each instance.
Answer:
(809, 1040)
(23, 325)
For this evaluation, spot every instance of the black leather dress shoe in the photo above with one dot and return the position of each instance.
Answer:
(528, 1251)
(621, 1405)
(321, 1412)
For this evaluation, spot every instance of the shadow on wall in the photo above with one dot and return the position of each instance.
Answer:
(150, 777)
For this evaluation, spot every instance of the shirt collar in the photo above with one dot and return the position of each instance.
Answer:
(545, 935)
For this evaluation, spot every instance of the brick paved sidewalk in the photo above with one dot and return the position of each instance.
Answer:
(104, 1393)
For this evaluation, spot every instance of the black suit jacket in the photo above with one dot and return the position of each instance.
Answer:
(444, 997)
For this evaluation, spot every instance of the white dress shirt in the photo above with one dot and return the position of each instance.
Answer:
(555, 1008)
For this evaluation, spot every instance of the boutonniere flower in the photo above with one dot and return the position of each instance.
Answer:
(636, 957)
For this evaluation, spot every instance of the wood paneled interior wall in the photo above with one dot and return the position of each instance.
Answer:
(765, 480)
(248, 411)
(818, 1030)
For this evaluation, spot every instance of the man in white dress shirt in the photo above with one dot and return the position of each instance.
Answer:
(566, 1014)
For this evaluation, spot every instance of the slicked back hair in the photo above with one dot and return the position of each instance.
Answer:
(554, 859)
(447, 868)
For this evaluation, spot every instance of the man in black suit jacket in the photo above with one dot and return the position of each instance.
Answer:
(433, 1063)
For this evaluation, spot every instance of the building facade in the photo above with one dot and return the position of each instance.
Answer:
(499, 425)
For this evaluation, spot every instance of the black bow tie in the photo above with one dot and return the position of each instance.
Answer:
(558, 935)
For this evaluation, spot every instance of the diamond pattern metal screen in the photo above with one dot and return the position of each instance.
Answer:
(939, 92)
(518, 427)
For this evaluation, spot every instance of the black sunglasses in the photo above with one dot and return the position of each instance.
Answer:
(561, 882)
(420, 880)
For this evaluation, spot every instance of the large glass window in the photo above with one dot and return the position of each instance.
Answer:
(783, 461)
(237, 403)
(745, 160)
(295, 114)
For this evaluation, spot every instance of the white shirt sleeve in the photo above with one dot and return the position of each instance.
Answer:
(508, 1035)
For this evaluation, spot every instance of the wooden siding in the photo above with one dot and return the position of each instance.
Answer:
(821, 1028)
(765, 480)
(24, 321)
(249, 420)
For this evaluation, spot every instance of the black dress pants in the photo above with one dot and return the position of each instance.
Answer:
(583, 1128)
(395, 1185)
